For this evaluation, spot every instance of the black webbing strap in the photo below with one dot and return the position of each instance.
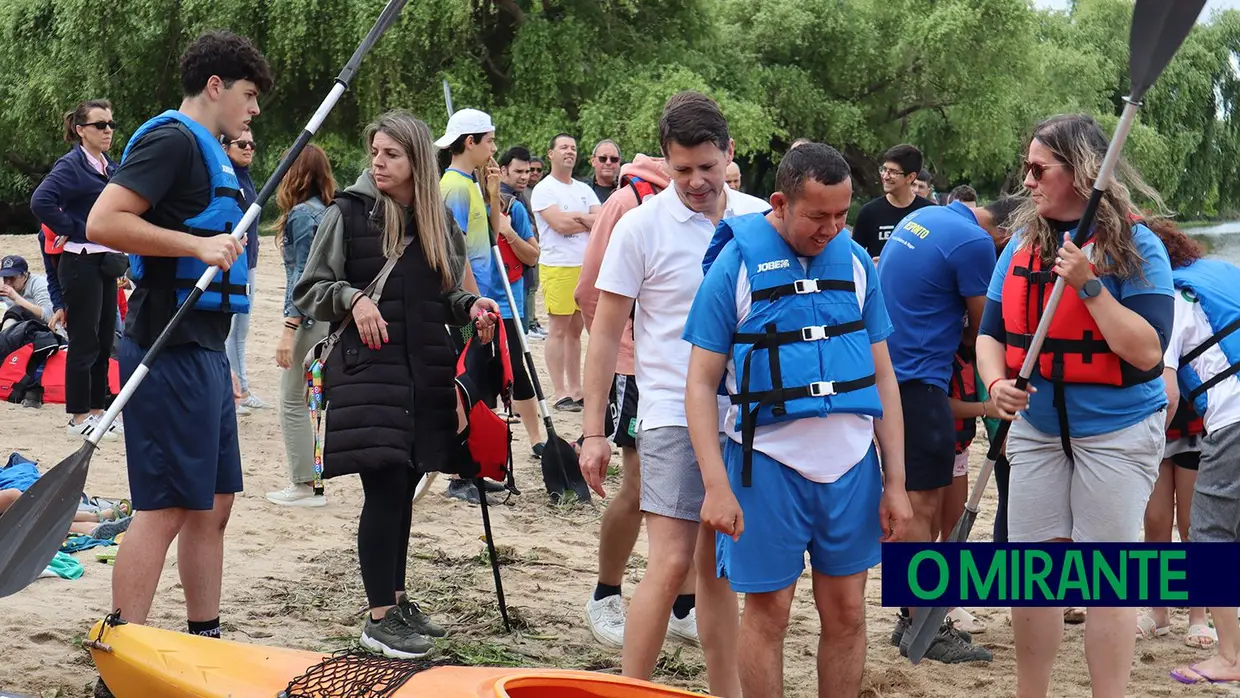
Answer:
(768, 340)
(1087, 346)
(1222, 376)
(1213, 340)
(224, 287)
(1060, 401)
(802, 286)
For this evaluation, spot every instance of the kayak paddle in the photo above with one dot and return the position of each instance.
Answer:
(1158, 30)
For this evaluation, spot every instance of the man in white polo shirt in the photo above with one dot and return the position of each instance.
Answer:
(653, 264)
(564, 209)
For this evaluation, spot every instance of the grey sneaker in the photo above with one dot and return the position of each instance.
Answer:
(903, 624)
(392, 637)
(949, 647)
(419, 621)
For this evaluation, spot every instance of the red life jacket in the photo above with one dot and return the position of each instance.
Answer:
(641, 188)
(49, 241)
(963, 387)
(484, 373)
(513, 266)
(1074, 350)
(1185, 423)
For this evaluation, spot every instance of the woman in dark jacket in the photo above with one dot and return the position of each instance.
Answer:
(87, 271)
(393, 410)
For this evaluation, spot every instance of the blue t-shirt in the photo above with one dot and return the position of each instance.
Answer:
(1099, 409)
(713, 317)
(937, 257)
(521, 224)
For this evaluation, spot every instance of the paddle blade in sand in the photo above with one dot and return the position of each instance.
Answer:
(1159, 28)
(32, 530)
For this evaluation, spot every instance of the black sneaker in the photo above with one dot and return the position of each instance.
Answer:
(949, 647)
(538, 448)
(33, 397)
(567, 404)
(419, 621)
(393, 637)
(903, 623)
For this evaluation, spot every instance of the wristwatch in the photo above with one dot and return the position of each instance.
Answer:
(1091, 289)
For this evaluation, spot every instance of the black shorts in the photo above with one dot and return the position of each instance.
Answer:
(1189, 460)
(522, 386)
(929, 437)
(621, 422)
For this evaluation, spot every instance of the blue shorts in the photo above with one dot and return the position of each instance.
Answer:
(180, 429)
(787, 515)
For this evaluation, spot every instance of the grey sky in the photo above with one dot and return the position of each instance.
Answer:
(1211, 5)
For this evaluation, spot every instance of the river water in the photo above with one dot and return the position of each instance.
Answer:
(1222, 240)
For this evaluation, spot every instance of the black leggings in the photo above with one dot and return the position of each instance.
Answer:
(90, 309)
(383, 531)
(1002, 472)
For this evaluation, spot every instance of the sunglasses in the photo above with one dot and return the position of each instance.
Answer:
(609, 158)
(102, 125)
(1037, 170)
(245, 145)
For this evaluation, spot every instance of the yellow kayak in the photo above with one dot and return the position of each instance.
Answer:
(142, 662)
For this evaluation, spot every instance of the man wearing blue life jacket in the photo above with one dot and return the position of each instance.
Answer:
(791, 311)
(934, 272)
(172, 206)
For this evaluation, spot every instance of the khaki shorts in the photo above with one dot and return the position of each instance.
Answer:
(558, 286)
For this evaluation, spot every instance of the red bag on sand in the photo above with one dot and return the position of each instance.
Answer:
(483, 374)
(53, 380)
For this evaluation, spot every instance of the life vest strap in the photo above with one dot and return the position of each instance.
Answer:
(802, 287)
(1213, 340)
(1222, 376)
(812, 333)
(1086, 346)
(749, 419)
(1035, 277)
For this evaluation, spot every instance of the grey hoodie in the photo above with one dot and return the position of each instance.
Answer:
(325, 295)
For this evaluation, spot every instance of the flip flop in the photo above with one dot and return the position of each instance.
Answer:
(1179, 676)
(963, 620)
(1148, 629)
(1074, 615)
(1201, 637)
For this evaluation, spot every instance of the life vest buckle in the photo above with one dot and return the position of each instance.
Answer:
(821, 389)
(814, 333)
(804, 286)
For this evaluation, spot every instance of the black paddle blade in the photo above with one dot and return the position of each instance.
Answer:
(560, 471)
(927, 621)
(32, 530)
(1159, 27)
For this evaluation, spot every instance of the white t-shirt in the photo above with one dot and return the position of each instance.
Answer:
(821, 449)
(1190, 329)
(561, 250)
(655, 256)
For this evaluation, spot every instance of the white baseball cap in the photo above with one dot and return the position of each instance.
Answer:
(465, 122)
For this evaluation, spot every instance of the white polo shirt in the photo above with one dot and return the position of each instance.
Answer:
(655, 256)
(1190, 329)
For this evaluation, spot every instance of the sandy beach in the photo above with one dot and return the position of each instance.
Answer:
(291, 576)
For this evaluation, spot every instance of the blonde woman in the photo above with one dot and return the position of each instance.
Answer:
(303, 197)
(1086, 449)
(390, 382)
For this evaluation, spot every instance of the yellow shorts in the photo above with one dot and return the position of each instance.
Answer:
(558, 286)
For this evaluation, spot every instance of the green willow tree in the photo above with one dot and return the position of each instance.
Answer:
(965, 80)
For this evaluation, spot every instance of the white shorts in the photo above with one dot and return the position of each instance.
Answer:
(1099, 496)
(961, 467)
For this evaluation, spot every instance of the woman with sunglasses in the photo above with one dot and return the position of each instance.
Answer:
(87, 271)
(241, 153)
(1086, 448)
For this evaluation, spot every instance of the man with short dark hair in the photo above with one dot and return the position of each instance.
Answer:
(652, 268)
(879, 217)
(934, 274)
(924, 186)
(790, 290)
(565, 209)
(184, 462)
(965, 194)
(606, 162)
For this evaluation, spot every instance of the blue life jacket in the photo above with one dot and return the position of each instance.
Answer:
(803, 351)
(1214, 284)
(229, 291)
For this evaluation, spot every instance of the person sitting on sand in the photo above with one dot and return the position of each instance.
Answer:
(102, 523)
(391, 384)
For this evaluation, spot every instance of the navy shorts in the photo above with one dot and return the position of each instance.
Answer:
(929, 437)
(787, 515)
(180, 429)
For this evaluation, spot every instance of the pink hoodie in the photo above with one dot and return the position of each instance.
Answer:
(621, 202)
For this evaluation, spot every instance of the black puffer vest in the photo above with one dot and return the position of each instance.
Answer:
(395, 406)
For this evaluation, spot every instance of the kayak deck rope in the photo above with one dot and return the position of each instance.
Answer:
(356, 673)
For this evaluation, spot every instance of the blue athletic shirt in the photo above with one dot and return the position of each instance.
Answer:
(936, 257)
(521, 224)
(1097, 409)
